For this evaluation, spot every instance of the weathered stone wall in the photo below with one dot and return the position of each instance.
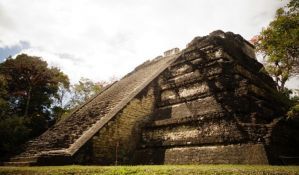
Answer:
(118, 140)
(215, 105)
(205, 131)
(197, 107)
(216, 154)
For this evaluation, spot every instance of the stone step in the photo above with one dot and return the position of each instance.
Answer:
(23, 159)
(184, 120)
(25, 163)
(287, 160)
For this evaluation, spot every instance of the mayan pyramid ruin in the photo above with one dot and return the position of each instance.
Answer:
(211, 102)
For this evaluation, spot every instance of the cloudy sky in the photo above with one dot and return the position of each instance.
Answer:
(100, 39)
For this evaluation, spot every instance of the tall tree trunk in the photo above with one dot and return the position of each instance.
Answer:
(28, 101)
(282, 85)
(277, 82)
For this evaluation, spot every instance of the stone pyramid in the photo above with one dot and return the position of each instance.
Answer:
(209, 103)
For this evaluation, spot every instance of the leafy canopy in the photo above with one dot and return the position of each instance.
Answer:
(28, 87)
(83, 90)
(279, 43)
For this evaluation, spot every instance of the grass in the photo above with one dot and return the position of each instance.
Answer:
(152, 170)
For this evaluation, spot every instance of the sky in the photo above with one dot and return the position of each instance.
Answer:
(99, 39)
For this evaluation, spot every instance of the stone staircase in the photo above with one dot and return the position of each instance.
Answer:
(21, 161)
(68, 136)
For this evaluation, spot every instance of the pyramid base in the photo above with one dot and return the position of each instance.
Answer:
(219, 154)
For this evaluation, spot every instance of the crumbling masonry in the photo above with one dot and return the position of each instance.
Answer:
(209, 103)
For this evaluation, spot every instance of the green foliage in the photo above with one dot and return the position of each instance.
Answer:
(83, 90)
(279, 43)
(28, 89)
(3, 97)
(293, 6)
(31, 84)
(283, 96)
(293, 113)
(13, 131)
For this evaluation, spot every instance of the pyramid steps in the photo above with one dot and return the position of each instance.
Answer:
(20, 163)
(66, 137)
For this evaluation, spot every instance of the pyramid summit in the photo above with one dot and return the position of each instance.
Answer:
(208, 103)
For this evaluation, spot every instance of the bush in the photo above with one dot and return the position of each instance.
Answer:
(13, 132)
(293, 112)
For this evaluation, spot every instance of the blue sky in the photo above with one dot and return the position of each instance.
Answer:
(100, 39)
(7, 51)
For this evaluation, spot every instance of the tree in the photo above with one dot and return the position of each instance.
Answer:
(78, 94)
(83, 90)
(3, 97)
(279, 44)
(31, 89)
(293, 112)
(61, 103)
(13, 132)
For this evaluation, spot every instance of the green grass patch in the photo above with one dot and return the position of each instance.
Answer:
(152, 170)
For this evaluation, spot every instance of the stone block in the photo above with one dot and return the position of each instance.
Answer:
(217, 154)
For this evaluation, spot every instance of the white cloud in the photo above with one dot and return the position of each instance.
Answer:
(99, 39)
